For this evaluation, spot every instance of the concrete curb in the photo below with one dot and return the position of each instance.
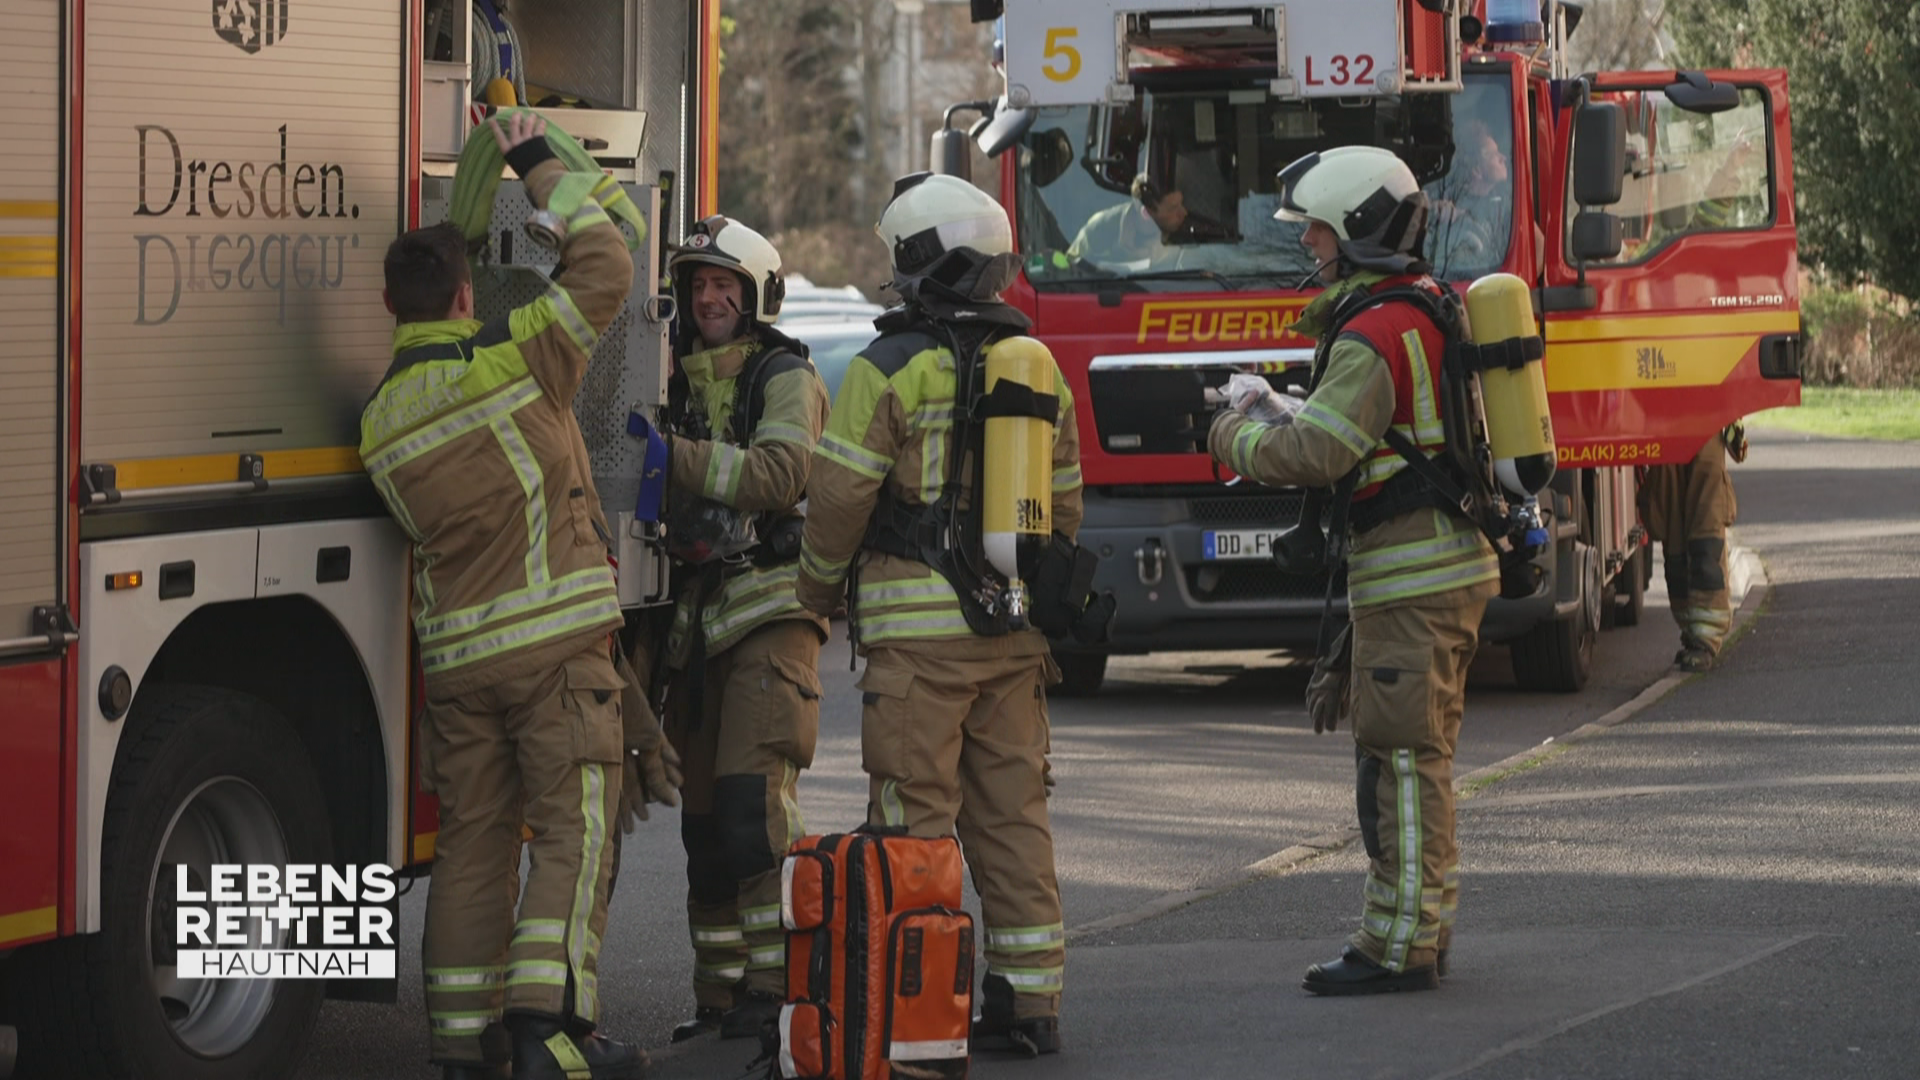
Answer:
(1750, 587)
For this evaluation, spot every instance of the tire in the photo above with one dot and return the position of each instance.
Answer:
(1630, 590)
(1558, 656)
(211, 776)
(1081, 673)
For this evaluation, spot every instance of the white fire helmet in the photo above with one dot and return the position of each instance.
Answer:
(1367, 196)
(942, 228)
(723, 241)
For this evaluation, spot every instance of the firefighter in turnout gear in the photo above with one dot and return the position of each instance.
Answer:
(741, 657)
(1419, 576)
(954, 733)
(1688, 509)
(472, 443)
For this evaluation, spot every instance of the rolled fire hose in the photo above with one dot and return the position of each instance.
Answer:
(477, 179)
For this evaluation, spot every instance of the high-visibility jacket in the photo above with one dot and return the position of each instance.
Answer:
(472, 443)
(892, 428)
(769, 474)
(1383, 373)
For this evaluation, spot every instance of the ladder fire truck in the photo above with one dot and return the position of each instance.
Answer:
(1652, 211)
(205, 651)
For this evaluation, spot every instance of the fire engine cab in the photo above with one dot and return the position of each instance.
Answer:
(205, 650)
(1652, 211)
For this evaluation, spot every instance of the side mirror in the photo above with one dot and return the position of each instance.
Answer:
(1007, 128)
(1599, 153)
(1596, 235)
(950, 155)
(1696, 93)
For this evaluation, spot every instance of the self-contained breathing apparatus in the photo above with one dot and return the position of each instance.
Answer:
(1499, 437)
(988, 533)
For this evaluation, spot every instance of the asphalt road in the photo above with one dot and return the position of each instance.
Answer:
(1183, 770)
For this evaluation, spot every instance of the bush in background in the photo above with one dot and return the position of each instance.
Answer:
(1859, 337)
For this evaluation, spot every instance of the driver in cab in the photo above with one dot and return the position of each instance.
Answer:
(1142, 228)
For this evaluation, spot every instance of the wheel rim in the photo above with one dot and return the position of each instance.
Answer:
(1595, 586)
(226, 820)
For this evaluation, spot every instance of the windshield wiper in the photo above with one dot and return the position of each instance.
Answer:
(1187, 274)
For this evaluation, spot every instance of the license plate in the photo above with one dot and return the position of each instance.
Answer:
(1230, 544)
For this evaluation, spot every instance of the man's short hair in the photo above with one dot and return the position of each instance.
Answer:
(425, 269)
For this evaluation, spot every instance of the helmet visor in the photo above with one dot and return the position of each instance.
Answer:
(1289, 179)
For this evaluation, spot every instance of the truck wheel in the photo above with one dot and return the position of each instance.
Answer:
(1081, 673)
(1630, 587)
(213, 776)
(1558, 655)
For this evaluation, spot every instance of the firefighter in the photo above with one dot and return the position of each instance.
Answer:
(743, 696)
(1419, 573)
(954, 731)
(1688, 509)
(472, 443)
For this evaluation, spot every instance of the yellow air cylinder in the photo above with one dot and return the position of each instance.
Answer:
(1519, 423)
(1017, 506)
(500, 92)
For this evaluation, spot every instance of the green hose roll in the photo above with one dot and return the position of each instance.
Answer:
(477, 179)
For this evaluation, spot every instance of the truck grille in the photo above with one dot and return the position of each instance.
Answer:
(1252, 581)
(1277, 510)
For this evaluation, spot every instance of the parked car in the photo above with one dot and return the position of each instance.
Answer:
(835, 324)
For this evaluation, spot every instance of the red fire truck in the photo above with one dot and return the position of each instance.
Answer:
(204, 639)
(1652, 210)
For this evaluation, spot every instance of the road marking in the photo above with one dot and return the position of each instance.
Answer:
(1280, 862)
(1527, 1042)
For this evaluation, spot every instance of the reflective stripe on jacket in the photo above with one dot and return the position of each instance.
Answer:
(891, 428)
(1418, 554)
(769, 474)
(472, 443)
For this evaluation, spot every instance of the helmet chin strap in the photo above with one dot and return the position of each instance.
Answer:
(1307, 279)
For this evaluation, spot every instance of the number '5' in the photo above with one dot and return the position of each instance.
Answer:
(1068, 55)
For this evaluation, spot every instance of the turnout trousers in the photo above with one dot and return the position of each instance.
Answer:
(543, 750)
(958, 746)
(1688, 509)
(741, 755)
(1410, 665)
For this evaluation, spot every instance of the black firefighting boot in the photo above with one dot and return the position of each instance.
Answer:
(1353, 973)
(757, 1013)
(1694, 658)
(998, 1028)
(706, 1018)
(1440, 964)
(544, 1049)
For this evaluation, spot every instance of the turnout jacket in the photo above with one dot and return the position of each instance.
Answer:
(472, 443)
(1382, 371)
(892, 430)
(769, 474)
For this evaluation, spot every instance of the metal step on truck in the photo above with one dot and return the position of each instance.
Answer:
(1651, 210)
(205, 651)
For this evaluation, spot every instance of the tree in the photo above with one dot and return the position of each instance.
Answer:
(1856, 149)
(1618, 35)
(802, 123)
(788, 118)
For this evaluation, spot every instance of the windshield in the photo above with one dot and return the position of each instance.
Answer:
(1178, 185)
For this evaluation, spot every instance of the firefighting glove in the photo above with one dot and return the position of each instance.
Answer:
(1734, 438)
(1327, 689)
(652, 773)
(650, 778)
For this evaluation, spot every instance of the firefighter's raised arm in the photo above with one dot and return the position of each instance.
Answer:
(557, 332)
